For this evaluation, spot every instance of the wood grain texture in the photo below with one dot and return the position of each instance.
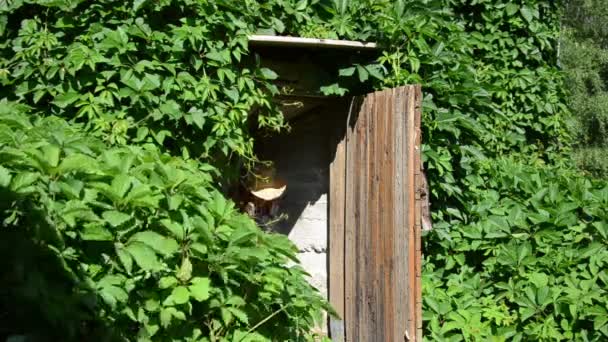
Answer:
(336, 233)
(350, 260)
(381, 227)
(284, 41)
(401, 239)
(363, 233)
(418, 168)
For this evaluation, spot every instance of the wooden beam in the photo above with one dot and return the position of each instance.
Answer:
(263, 40)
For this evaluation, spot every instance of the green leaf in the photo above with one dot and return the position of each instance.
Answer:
(124, 257)
(51, 155)
(179, 295)
(599, 322)
(167, 282)
(414, 63)
(113, 294)
(199, 289)
(375, 71)
(278, 25)
(526, 12)
(22, 181)
(268, 74)
(144, 256)
(115, 218)
(526, 313)
(241, 234)
(511, 8)
(347, 71)
(142, 133)
(77, 162)
(239, 314)
(539, 279)
(159, 243)
(199, 247)
(174, 228)
(171, 109)
(175, 201)
(226, 316)
(233, 94)
(5, 177)
(95, 232)
(120, 185)
(362, 72)
(161, 135)
(218, 56)
(3, 22)
(65, 99)
(167, 314)
(137, 4)
(198, 117)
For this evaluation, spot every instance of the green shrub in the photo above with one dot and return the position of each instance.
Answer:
(584, 58)
(130, 243)
(518, 252)
(528, 263)
(514, 224)
(593, 160)
(157, 97)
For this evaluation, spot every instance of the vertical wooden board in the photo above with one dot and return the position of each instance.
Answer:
(336, 233)
(363, 231)
(374, 186)
(382, 262)
(377, 226)
(411, 197)
(418, 168)
(387, 209)
(350, 247)
(400, 241)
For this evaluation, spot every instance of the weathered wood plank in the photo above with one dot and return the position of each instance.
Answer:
(400, 242)
(381, 221)
(265, 40)
(350, 248)
(336, 233)
(387, 209)
(373, 181)
(410, 185)
(418, 169)
(362, 166)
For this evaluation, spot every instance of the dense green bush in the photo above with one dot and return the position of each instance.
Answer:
(157, 96)
(514, 224)
(519, 246)
(584, 58)
(137, 240)
(526, 261)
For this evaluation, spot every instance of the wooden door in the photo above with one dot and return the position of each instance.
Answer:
(374, 222)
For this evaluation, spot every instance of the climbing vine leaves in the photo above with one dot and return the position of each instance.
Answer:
(121, 120)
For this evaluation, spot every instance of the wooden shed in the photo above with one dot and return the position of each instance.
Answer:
(353, 171)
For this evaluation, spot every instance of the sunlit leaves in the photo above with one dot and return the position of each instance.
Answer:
(149, 233)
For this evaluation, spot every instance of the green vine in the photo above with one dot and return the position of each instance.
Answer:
(145, 101)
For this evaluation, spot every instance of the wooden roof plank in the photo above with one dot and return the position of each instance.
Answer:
(264, 40)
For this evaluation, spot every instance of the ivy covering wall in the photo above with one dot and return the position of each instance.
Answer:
(121, 119)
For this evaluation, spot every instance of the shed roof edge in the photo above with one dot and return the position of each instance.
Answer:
(265, 40)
